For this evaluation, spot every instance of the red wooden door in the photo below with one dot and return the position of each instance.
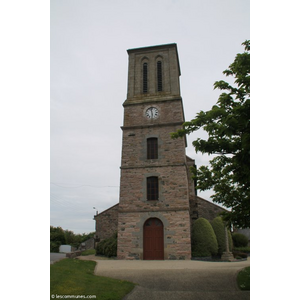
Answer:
(153, 239)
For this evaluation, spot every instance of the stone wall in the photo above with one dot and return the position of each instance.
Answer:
(88, 244)
(106, 223)
(201, 208)
(177, 244)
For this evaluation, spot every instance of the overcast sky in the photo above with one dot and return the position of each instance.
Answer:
(89, 64)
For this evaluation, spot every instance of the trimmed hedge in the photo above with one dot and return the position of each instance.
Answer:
(230, 240)
(239, 240)
(107, 247)
(243, 249)
(204, 240)
(219, 229)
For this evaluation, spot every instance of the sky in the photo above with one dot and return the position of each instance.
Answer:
(88, 84)
(85, 80)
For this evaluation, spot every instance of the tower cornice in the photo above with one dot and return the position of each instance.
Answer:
(150, 100)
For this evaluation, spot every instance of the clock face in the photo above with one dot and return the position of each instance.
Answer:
(152, 113)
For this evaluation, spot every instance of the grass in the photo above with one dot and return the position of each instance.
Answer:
(88, 252)
(76, 277)
(243, 279)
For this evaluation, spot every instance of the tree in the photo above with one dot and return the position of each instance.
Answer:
(57, 238)
(228, 128)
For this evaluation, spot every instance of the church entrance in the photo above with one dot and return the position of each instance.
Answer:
(153, 239)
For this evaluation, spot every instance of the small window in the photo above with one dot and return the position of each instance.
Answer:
(152, 188)
(159, 77)
(145, 78)
(152, 149)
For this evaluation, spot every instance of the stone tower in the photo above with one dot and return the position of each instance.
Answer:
(154, 217)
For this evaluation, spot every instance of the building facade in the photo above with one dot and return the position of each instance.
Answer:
(157, 198)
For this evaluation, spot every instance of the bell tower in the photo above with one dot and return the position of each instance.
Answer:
(154, 218)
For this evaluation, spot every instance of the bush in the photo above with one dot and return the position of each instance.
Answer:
(54, 246)
(239, 240)
(243, 249)
(238, 254)
(107, 247)
(204, 241)
(219, 230)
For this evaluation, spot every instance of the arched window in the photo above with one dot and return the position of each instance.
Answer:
(152, 188)
(145, 78)
(159, 76)
(152, 149)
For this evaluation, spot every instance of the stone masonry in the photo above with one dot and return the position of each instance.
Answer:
(172, 206)
(106, 223)
(153, 82)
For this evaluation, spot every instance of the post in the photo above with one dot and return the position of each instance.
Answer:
(227, 255)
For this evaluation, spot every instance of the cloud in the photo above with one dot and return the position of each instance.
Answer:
(89, 85)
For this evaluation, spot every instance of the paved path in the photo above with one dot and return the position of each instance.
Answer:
(56, 257)
(177, 280)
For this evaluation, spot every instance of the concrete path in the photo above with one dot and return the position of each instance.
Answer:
(176, 280)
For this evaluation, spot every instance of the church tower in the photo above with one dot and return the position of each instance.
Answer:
(154, 217)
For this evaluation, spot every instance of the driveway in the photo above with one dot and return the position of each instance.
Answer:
(56, 257)
(177, 280)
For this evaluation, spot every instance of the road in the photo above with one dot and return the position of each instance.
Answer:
(56, 257)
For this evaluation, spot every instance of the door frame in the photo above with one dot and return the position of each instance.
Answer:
(161, 241)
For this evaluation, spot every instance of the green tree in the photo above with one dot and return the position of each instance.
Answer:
(57, 238)
(72, 238)
(228, 128)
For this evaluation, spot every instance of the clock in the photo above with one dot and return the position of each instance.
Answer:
(152, 113)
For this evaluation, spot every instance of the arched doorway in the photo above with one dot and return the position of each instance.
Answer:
(153, 239)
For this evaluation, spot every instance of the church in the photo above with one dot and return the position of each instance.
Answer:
(158, 202)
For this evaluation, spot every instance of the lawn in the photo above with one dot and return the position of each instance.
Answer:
(76, 277)
(88, 252)
(243, 279)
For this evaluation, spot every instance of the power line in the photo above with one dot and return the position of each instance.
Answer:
(84, 185)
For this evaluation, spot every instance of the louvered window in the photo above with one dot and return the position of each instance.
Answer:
(152, 188)
(145, 78)
(159, 77)
(152, 149)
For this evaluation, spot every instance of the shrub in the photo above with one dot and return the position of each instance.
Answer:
(239, 240)
(204, 241)
(107, 247)
(99, 248)
(243, 249)
(219, 230)
(54, 246)
(238, 254)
